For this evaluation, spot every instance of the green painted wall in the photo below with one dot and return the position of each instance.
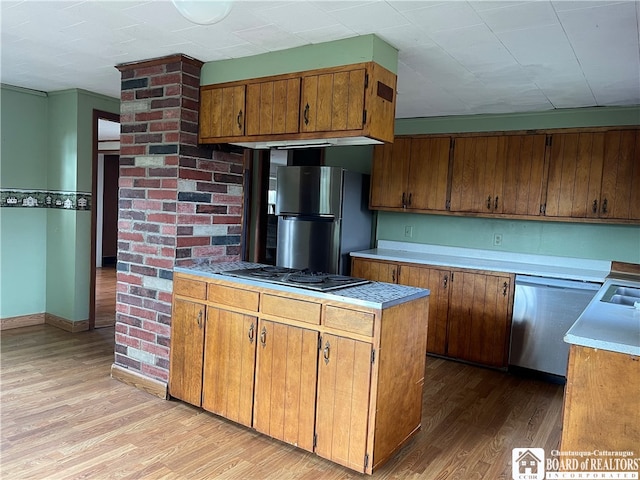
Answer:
(592, 241)
(23, 162)
(364, 48)
(579, 240)
(352, 157)
(47, 144)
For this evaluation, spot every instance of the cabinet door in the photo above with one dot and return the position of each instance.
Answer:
(620, 193)
(344, 379)
(222, 112)
(523, 175)
(273, 107)
(284, 403)
(437, 281)
(333, 102)
(229, 362)
(575, 175)
(374, 271)
(479, 318)
(477, 174)
(428, 173)
(389, 171)
(187, 343)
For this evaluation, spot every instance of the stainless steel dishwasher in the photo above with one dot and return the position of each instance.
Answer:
(543, 310)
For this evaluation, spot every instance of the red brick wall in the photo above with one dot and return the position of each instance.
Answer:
(178, 203)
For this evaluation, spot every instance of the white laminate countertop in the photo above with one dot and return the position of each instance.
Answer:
(608, 326)
(497, 261)
(371, 295)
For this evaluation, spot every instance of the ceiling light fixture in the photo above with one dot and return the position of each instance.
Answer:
(203, 12)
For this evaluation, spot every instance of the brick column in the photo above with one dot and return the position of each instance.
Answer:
(179, 203)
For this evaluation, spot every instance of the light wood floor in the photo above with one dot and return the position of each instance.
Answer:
(63, 417)
(105, 297)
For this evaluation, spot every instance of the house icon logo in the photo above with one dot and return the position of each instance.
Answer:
(527, 464)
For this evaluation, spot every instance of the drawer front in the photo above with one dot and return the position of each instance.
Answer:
(233, 297)
(190, 288)
(300, 310)
(349, 320)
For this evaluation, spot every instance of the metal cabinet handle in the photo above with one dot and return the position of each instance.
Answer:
(263, 336)
(393, 275)
(505, 287)
(251, 333)
(496, 205)
(594, 207)
(325, 352)
(404, 203)
(489, 202)
(410, 195)
(199, 319)
(239, 120)
(306, 114)
(604, 206)
(446, 280)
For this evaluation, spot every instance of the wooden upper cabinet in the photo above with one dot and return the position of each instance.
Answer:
(411, 174)
(500, 174)
(524, 175)
(348, 101)
(222, 112)
(620, 190)
(333, 102)
(389, 171)
(595, 175)
(273, 107)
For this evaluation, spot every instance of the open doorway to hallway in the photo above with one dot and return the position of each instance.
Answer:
(104, 219)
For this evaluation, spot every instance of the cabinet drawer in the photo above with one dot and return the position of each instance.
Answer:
(233, 297)
(308, 312)
(190, 288)
(349, 320)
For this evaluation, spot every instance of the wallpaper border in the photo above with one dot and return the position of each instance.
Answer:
(32, 198)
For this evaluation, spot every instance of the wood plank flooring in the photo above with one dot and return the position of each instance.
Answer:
(63, 417)
(105, 297)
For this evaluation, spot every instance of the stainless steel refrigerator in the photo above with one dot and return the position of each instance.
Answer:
(323, 215)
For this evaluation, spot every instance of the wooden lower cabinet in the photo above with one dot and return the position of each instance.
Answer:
(469, 312)
(601, 401)
(229, 364)
(334, 378)
(284, 401)
(479, 318)
(344, 382)
(187, 343)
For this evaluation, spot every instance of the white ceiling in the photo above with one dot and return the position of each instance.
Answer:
(455, 57)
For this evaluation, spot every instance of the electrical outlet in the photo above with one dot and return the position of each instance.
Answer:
(497, 239)
(408, 231)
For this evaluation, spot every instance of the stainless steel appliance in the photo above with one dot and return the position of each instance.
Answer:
(543, 310)
(297, 278)
(323, 215)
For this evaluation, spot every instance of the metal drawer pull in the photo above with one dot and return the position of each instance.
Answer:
(251, 332)
(489, 202)
(239, 120)
(496, 205)
(306, 114)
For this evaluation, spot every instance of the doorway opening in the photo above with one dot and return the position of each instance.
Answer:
(104, 219)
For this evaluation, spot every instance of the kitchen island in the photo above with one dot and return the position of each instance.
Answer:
(338, 373)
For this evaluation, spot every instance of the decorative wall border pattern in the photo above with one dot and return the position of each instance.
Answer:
(15, 198)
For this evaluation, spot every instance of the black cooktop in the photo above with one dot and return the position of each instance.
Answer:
(297, 278)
